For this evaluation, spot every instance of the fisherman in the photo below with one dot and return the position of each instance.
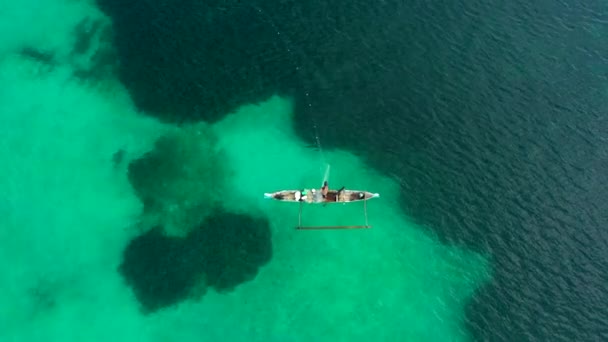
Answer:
(337, 197)
(324, 189)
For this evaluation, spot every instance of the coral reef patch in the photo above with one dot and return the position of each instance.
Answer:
(223, 252)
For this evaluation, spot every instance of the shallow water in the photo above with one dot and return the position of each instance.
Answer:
(480, 125)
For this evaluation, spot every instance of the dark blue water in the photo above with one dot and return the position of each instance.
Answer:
(492, 115)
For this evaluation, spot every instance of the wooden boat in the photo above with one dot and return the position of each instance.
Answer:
(314, 196)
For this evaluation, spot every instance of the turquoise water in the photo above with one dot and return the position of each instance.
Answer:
(137, 147)
(70, 211)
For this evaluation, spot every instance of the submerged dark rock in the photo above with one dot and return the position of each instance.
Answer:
(44, 57)
(181, 180)
(118, 157)
(195, 60)
(159, 269)
(235, 246)
(225, 251)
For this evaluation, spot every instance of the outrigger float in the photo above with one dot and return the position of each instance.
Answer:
(315, 196)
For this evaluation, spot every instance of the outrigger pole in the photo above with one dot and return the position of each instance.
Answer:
(300, 227)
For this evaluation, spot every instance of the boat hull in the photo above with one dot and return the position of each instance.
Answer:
(314, 196)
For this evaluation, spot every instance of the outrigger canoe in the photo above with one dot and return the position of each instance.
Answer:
(315, 196)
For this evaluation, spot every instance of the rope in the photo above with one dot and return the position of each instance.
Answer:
(365, 211)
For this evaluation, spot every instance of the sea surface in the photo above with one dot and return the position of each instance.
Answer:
(139, 137)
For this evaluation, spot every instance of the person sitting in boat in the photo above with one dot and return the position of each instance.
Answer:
(324, 189)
